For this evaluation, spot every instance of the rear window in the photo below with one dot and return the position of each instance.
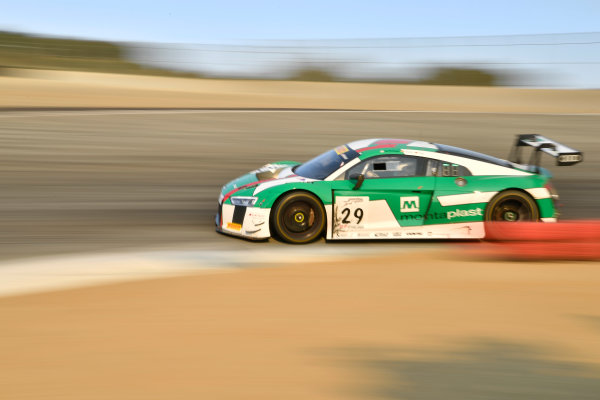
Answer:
(473, 155)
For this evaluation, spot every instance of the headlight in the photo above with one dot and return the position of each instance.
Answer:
(246, 201)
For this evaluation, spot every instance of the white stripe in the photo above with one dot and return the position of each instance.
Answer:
(342, 170)
(277, 182)
(549, 219)
(467, 198)
(539, 193)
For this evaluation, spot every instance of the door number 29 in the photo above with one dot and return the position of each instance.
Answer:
(358, 214)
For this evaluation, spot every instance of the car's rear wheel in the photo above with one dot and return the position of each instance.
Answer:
(298, 217)
(512, 206)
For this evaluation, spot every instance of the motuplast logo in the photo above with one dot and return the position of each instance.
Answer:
(465, 213)
(409, 204)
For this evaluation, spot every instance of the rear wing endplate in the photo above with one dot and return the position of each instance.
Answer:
(564, 155)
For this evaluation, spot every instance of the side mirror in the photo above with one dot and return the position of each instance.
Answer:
(359, 178)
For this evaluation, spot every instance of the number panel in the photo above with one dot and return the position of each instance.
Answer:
(351, 211)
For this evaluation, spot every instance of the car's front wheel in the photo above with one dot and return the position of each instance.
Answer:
(512, 206)
(298, 217)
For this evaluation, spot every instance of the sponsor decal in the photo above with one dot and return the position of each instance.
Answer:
(234, 226)
(341, 150)
(448, 215)
(409, 204)
(464, 213)
(345, 227)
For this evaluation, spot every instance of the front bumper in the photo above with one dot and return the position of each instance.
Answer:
(247, 222)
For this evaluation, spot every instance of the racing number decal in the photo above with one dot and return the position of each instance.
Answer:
(358, 213)
(351, 212)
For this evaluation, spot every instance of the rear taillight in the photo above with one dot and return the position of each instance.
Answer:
(553, 192)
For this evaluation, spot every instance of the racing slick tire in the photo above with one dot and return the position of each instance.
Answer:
(298, 217)
(512, 206)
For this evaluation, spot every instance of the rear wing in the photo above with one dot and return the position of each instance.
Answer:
(564, 155)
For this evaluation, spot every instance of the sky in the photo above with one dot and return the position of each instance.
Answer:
(234, 20)
(238, 22)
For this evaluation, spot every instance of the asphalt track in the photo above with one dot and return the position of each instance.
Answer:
(78, 181)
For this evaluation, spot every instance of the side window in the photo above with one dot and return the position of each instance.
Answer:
(387, 167)
(431, 168)
(444, 168)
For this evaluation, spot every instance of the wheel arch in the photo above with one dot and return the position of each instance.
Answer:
(288, 191)
(518, 189)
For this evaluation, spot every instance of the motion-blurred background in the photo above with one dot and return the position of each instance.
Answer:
(543, 60)
(120, 121)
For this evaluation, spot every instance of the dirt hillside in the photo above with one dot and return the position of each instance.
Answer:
(80, 89)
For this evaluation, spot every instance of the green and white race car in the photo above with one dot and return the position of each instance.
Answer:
(392, 189)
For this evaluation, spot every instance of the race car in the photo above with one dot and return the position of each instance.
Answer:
(392, 189)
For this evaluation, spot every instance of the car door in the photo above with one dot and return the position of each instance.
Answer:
(458, 196)
(393, 198)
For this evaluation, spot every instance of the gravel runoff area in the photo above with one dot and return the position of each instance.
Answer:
(397, 326)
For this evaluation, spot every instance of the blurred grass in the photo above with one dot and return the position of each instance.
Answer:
(460, 76)
(20, 51)
(435, 76)
(313, 74)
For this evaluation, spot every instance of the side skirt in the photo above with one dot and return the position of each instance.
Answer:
(461, 230)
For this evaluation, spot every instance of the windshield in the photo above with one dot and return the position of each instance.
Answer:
(324, 165)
